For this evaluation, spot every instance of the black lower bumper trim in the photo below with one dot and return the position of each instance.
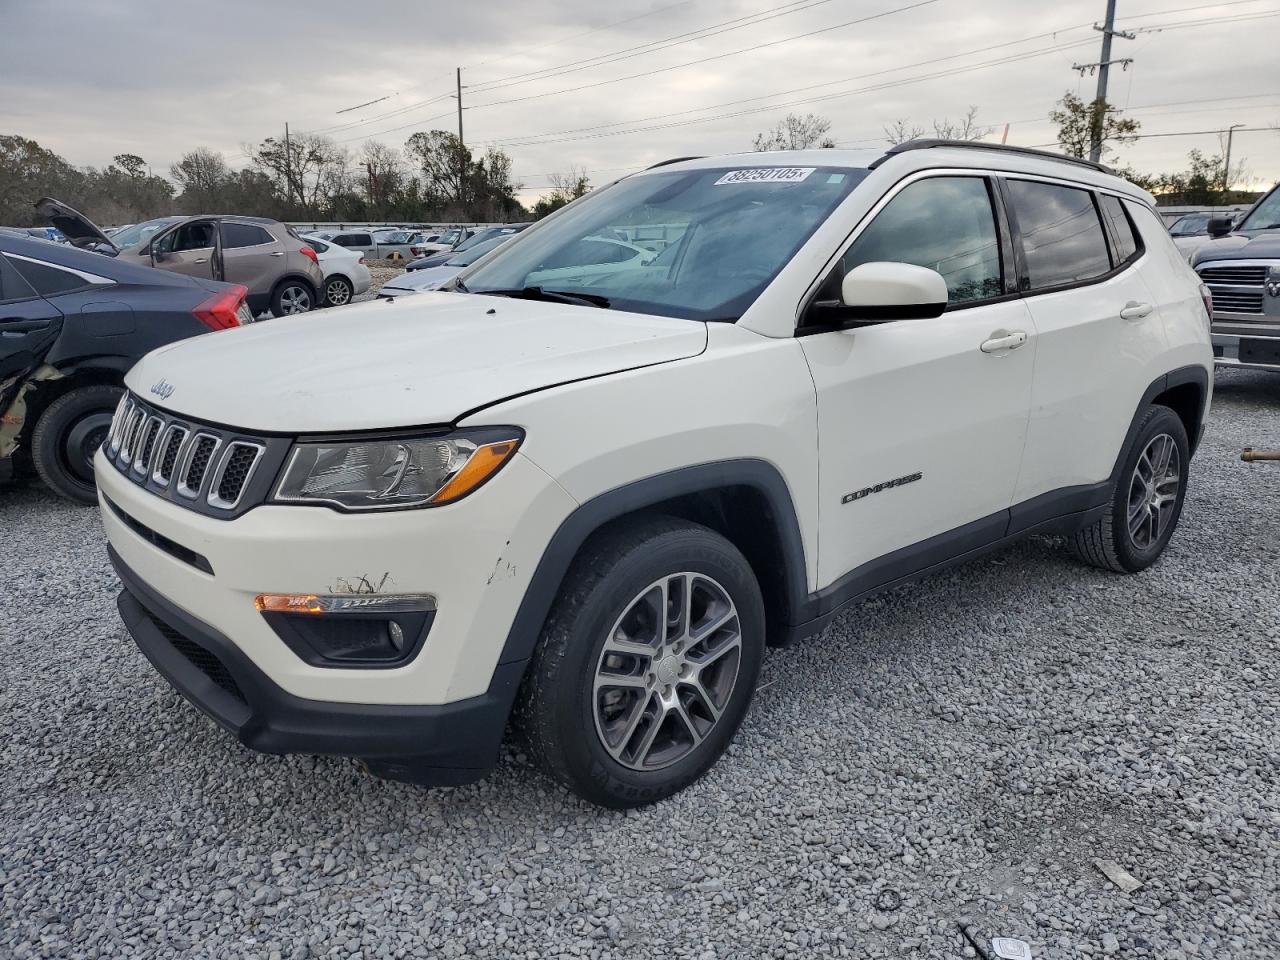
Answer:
(432, 744)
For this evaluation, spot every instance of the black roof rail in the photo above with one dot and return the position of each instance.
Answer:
(979, 145)
(664, 163)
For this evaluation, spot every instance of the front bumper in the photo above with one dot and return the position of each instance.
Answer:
(433, 744)
(1254, 350)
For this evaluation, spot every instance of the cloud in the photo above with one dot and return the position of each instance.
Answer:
(94, 80)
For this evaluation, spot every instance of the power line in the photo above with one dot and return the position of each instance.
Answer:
(718, 56)
(627, 53)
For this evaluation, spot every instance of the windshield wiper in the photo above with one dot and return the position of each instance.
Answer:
(551, 296)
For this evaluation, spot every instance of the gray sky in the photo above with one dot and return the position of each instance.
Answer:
(93, 79)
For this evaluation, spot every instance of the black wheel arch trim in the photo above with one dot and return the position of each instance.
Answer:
(758, 475)
(1067, 509)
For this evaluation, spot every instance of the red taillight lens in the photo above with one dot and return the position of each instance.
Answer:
(415, 251)
(219, 311)
(361, 260)
(308, 252)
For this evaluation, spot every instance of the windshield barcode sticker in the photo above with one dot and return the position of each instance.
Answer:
(766, 175)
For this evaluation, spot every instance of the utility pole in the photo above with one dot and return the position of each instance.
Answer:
(462, 145)
(1103, 67)
(1226, 167)
(459, 75)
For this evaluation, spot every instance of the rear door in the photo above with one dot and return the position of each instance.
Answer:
(188, 248)
(1098, 330)
(28, 325)
(251, 256)
(360, 242)
(921, 422)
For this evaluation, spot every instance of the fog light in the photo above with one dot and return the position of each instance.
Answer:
(350, 630)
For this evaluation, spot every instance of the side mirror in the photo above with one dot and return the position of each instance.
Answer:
(881, 291)
(1219, 227)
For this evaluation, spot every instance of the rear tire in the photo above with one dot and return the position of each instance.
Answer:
(624, 729)
(67, 435)
(1146, 499)
(337, 292)
(291, 297)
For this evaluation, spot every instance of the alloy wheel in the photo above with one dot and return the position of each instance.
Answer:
(295, 299)
(667, 671)
(337, 293)
(1153, 491)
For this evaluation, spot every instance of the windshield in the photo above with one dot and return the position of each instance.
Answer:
(469, 256)
(1187, 226)
(1266, 215)
(141, 232)
(699, 244)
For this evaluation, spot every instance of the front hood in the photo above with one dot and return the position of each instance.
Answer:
(79, 230)
(426, 359)
(426, 279)
(1238, 246)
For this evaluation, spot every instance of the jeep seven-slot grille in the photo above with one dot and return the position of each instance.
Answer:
(197, 465)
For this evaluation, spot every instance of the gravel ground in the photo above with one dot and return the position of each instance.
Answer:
(959, 749)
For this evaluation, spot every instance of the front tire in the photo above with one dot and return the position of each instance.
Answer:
(647, 663)
(67, 435)
(291, 297)
(1146, 500)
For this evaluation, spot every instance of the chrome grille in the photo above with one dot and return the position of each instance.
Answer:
(1236, 301)
(174, 437)
(196, 464)
(1255, 275)
(201, 467)
(228, 484)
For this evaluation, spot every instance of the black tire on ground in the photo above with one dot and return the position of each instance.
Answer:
(66, 436)
(292, 297)
(558, 703)
(1110, 543)
(337, 292)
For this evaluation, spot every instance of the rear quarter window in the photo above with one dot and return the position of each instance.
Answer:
(1062, 237)
(1127, 244)
(46, 279)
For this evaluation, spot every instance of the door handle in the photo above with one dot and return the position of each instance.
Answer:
(200, 260)
(278, 253)
(21, 325)
(1002, 341)
(1133, 310)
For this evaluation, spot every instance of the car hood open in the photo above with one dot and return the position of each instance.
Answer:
(79, 230)
(423, 360)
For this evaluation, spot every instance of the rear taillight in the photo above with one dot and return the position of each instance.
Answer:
(1207, 296)
(308, 252)
(220, 312)
(361, 260)
(415, 251)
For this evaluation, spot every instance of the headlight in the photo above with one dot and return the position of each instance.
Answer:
(386, 474)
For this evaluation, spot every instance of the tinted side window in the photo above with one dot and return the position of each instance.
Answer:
(1061, 234)
(244, 235)
(359, 240)
(12, 286)
(943, 223)
(46, 279)
(1127, 244)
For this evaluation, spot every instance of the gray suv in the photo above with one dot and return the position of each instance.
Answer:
(277, 266)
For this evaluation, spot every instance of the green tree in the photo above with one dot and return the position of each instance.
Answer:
(1078, 121)
(28, 172)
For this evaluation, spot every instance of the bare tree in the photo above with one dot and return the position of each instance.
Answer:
(966, 128)
(383, 173)
(900, 132)
(200, 175)
(310, 171)
(565, 188)
(796, 132)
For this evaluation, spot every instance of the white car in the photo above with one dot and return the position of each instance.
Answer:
(433, 278)
(345, 273)
(588, 507)
(591, 260)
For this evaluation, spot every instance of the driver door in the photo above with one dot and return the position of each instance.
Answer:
(922, 422)
(189, 249)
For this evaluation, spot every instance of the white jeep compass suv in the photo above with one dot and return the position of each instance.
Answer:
(582, 492)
